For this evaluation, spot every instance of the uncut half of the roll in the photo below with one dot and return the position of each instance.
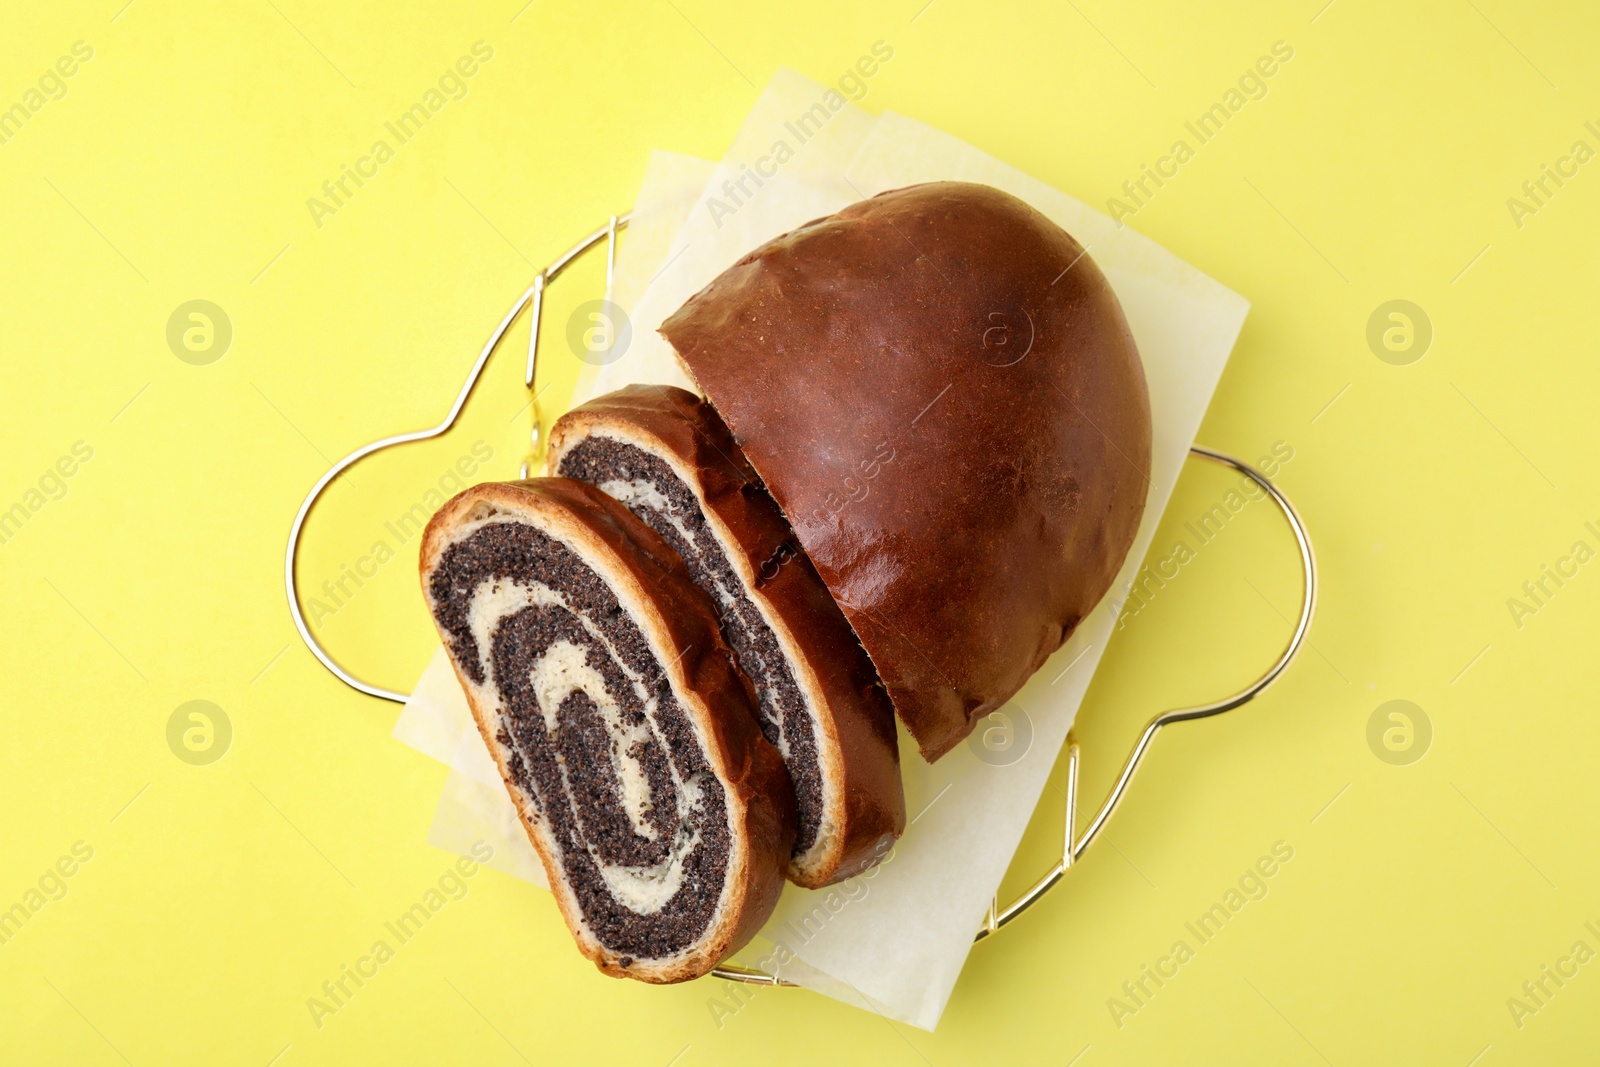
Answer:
(666, 454)
(940, 390)
(622, 727)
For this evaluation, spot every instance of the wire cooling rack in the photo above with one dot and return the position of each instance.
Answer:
(1073, 845)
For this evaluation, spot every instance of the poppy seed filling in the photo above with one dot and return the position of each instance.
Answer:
(595, 741)
(674, 512)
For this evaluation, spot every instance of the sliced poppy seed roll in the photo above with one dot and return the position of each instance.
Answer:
(665, 454)
(624, 731)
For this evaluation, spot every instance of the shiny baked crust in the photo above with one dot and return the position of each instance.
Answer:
(938, 387)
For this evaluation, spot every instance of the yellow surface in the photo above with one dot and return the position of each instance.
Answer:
(218, 898)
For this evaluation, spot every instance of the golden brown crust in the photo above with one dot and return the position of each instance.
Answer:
(939, 389)
(680, 625)
(856, 738)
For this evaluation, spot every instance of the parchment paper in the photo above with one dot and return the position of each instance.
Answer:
(893, 940)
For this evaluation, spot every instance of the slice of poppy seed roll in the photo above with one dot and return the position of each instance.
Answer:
(624, 731)
(666, 454)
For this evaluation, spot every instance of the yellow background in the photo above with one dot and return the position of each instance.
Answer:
(221, 897)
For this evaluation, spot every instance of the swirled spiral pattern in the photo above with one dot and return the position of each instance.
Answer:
(650, 489)
(590, 734)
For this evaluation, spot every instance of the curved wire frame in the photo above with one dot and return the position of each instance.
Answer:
(1073, 847)
(533, 295)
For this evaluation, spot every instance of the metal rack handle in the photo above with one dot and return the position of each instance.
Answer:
(533, 294)
(1308, 603)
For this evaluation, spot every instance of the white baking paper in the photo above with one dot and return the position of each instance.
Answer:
(893, 940)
